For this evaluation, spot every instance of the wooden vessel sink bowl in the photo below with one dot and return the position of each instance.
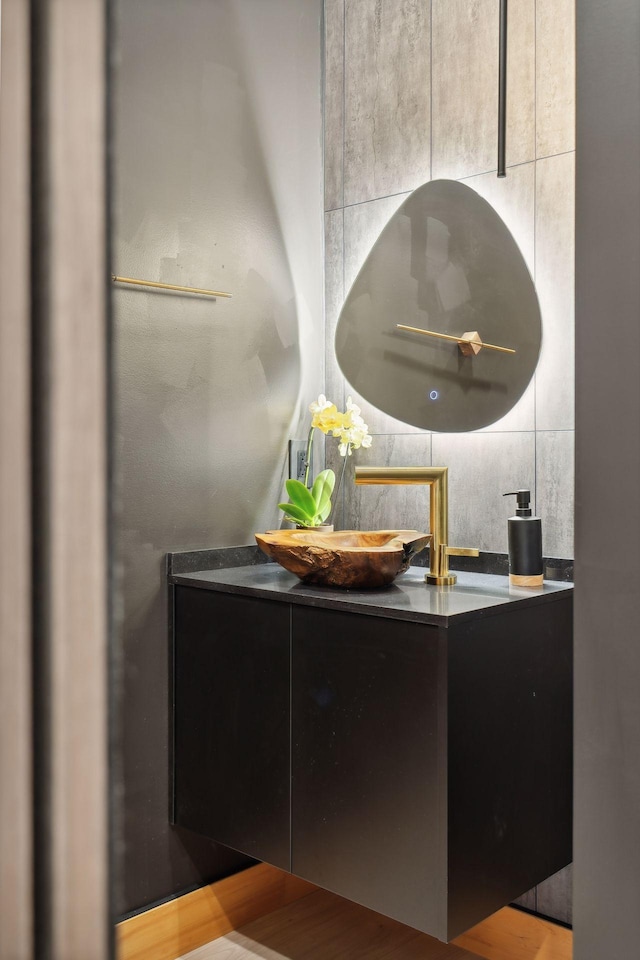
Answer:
(346, 558)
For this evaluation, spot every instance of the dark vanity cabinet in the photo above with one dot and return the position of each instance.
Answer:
(367, 816)
(231, 722)
(420, 768)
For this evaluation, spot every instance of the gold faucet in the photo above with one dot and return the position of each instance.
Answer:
(437, 479)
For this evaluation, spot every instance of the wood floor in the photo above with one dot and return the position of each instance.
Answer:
(321, 926)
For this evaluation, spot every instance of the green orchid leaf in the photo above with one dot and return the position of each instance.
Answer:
(324, 513)
(296, 514)
(322, 490)
(323, 486)
(325, 502)
(301, 497)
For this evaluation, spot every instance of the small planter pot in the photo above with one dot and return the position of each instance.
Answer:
(321, 528)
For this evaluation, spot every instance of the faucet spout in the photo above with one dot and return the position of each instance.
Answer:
(437, 480)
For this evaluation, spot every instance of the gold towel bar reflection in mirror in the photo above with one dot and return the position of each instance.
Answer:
(169, 286)
(467, 339)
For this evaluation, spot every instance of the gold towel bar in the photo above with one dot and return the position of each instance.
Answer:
(170, 286)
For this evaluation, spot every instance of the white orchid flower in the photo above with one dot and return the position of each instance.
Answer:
(320, 404)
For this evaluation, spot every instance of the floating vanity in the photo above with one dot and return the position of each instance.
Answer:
(408, 748)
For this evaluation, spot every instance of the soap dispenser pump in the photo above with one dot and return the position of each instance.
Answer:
(525, 543)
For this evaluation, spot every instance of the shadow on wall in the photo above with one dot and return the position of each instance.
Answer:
(206, 391)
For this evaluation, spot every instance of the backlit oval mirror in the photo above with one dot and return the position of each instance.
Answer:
(445, 264)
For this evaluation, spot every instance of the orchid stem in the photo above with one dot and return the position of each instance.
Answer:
(337, 489)
(308, 459)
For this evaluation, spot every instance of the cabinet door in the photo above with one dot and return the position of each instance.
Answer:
(231, 721)
(510, 755)
(368, 727)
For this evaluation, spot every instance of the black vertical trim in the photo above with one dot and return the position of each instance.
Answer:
(502, 92)
(431, 90)
(171, 609)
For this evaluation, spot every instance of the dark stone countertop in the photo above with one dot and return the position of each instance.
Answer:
(408, 598)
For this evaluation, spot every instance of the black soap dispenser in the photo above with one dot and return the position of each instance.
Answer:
(525, 544)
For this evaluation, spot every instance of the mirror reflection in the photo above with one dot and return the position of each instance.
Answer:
(442, 326)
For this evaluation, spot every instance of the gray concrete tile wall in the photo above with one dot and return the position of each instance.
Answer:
(555, 254)
(555, 77)
(521, 82)
(384, 507)
(387, 97)
(483, 466)
(527, 900)
(333, 103)
(554, 895)
(363, 223)
(333, 300)
(464, 87)
(535, 200)
(554, 491)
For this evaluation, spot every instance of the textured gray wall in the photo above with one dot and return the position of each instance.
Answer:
(607, 651)
(411, 95)
(217, 183)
